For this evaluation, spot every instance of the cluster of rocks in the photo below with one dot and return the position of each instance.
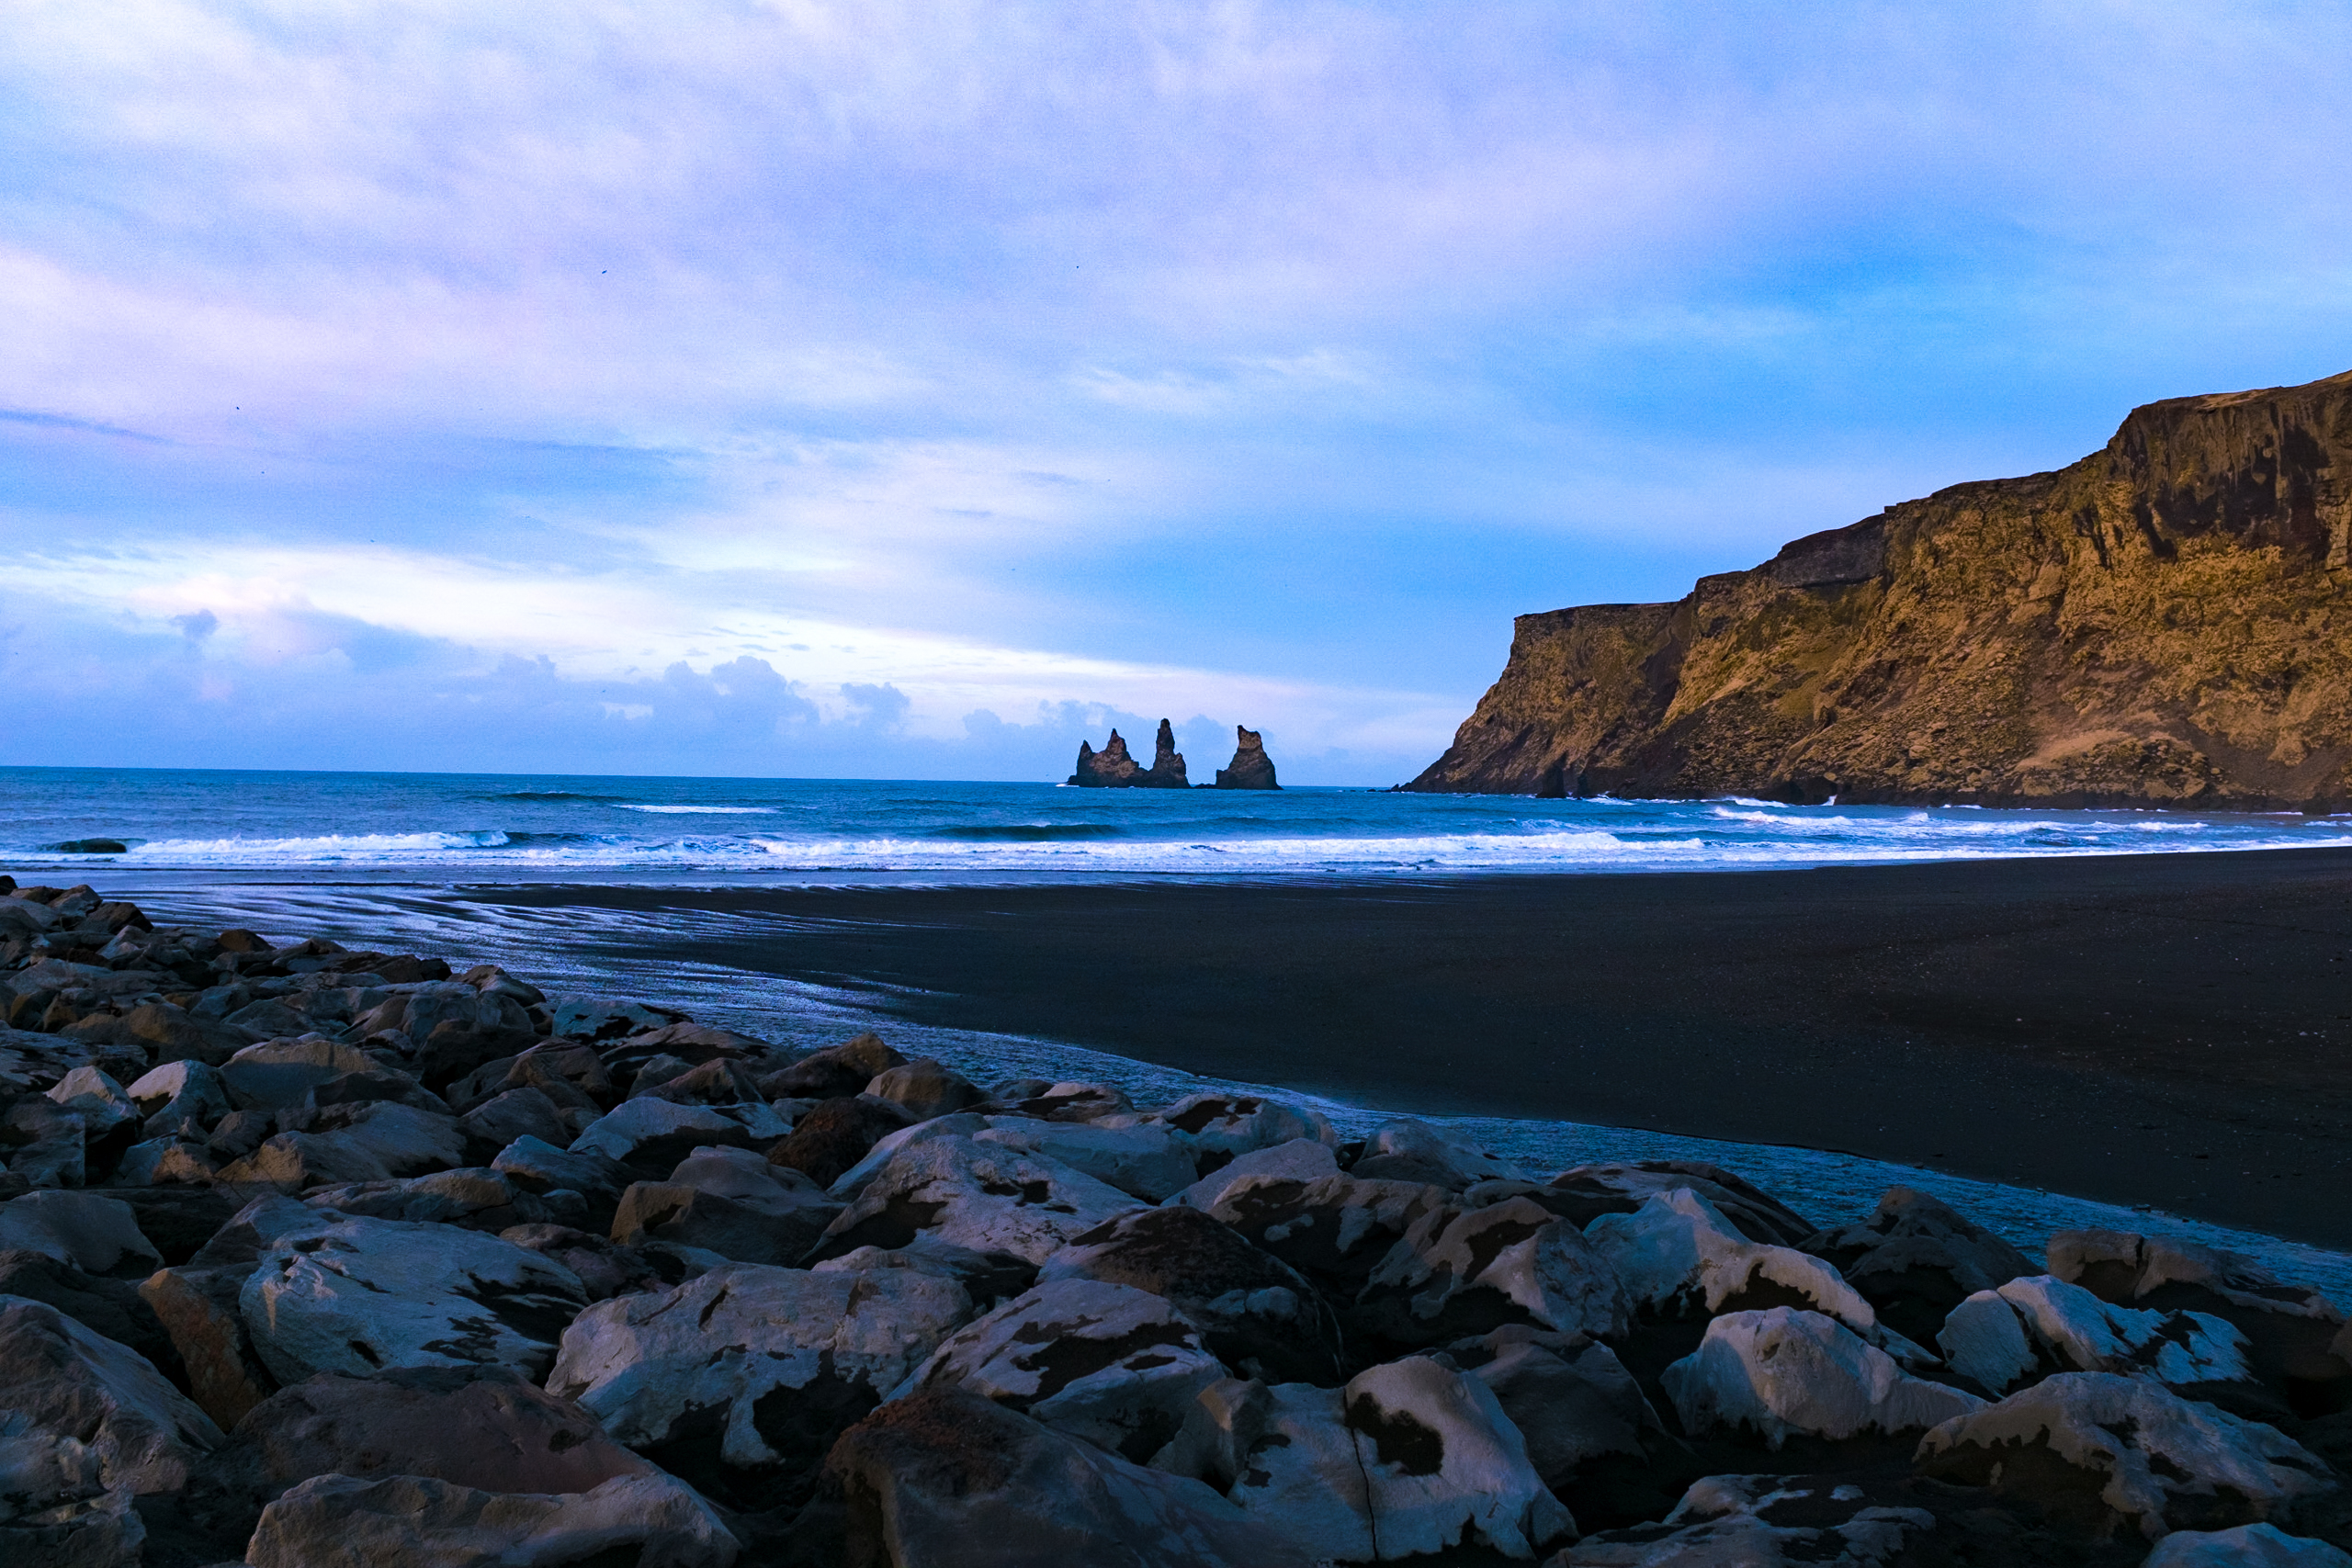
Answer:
(311, 1256)
(1114, 768)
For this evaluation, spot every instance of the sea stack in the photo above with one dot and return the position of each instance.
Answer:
(2166, 622)
(1251, 769)
(1114, 768)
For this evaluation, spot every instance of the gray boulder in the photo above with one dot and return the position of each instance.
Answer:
(925, 1088)
(1453, 1275)
(650, 1137)
(515, 1113)
(1335, 1230)
(1680, 1255)
(199, 1309)
(361, 1296)
(279, 1073)
(44, 1142)
(1145, 1161)
(1916, 1258)
(982, 1197)
(833, 1072)
(2247, 1546)
(2131, 1448)
(739, 1380)
(370, 1141)
(946, 1479)
(1410, 1150)
(98, 1235)
(338, 1521)
(1255, 1313)
(1781, 1372)
(1588, 1192)
(474, 1198)
(1115, 1366)
(1219, 1126)
(2029, 1328)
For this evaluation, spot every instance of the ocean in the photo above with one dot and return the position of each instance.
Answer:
(386, 859)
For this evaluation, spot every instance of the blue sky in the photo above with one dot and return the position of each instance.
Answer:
(882, 391)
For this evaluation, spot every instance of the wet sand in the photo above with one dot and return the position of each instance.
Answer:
(2164, 1029)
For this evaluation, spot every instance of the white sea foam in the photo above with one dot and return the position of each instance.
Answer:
(699, 810)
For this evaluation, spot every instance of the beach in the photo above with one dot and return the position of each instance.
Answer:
(2168, 1030)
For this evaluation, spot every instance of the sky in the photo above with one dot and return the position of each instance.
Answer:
(798, 389)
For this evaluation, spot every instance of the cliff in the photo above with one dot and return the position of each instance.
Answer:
(2167, 621)
(1251, 768)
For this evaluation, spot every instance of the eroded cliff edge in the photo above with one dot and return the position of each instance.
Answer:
(2167, 621)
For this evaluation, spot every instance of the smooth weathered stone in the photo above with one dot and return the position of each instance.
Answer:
(1410, 1457)
(337, 1521)
(599, 1017)
(1256, 1313)
(1573, 1402)
(1334, 1229)
(279, 1073)
(946, 1479)
(1299, 1160)
(198, 1308)
(735, 1228)
(543, 1168)
(605, 1268)
(923, 1088)
(515, 1113)
(1145, 1161)
(979, 1196)
(1588, 1192)
(97, 1099)
(1679, 1256)
(2028, 1328)
(181, 1089)
(835, 1136)
(1410, 1150)
(650, 1137)
(1115, 1366)
(1782, 1371)
(98, 1235)
(363, 1295)
(86, 1416)
(480, 1427)
(44, 1144)
(162, 1161)
(835, 1072)
(1453, 1275)
(372, 1141)
(475, 1199)
(1219, 1126)
(1916, 1258)
(2247, 1546)
(2156, 1462)
(740, 1378)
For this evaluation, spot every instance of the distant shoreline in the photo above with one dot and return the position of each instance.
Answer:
(2170, 1030)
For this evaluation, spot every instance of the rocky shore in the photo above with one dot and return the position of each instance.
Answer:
(314, 1257)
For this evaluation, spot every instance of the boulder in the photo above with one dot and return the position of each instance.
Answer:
(97, 1099)
(1588, 1192)
(946, 1479)
(1589, 1429)
(361, 1296)
(743, 1230)
(1145, 1161)
(2004, 1339)
(1218, 1126)
(739, 1380)
(371, 1141)
(456, 1049)
(181, 1090)
(1255, 1313)
(44, 1144)
(923, 1088)
(1680, 1257)
(178, 1220)
(281, 1072)
(720, 1081)
(474, 1198)
(829, 1140)
(1408, 1150)
(2288, 1327)
(108, 1307)
(268, 1018)
(477, 1426)
(1782, 1371)
(254, 1228)
(1299, 1160)
(86, 1416)
(1916, 1258)
(98, 1235)
(1115, 1366)
(337, 1521)
(1761, 1521)
(1409, 1458)
(377, 1083)
(199, 1310)
(980, 1196)
(2128, 1453)
(1067, 1101)
(168, 1033)
(605, 1268)
(1250, 768)
(542, 1168)
(599, 1017)
(650, 1137)
(2247, 1546)
(834, 1072)
(1455, 1275)
(572, 1076)
(164, 1161)
(515, 1113)
(1335, 1230)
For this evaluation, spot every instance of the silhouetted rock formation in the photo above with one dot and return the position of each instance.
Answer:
(1251, 769)
(2164, 621)
(1112, 768)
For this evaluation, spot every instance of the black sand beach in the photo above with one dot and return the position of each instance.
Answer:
(2164, 1029)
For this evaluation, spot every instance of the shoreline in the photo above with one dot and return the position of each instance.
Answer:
(2172, 1031)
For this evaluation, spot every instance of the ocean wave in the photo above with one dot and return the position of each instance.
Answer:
(700, 810)
(1029, 833)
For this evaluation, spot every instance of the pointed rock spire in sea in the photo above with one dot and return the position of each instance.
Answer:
(1114, 767)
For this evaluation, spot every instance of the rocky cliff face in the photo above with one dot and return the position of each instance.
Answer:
(2167, 621)
(1114, 768)
(1251, 769)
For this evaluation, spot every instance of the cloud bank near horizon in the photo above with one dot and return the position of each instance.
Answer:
(610, 389)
